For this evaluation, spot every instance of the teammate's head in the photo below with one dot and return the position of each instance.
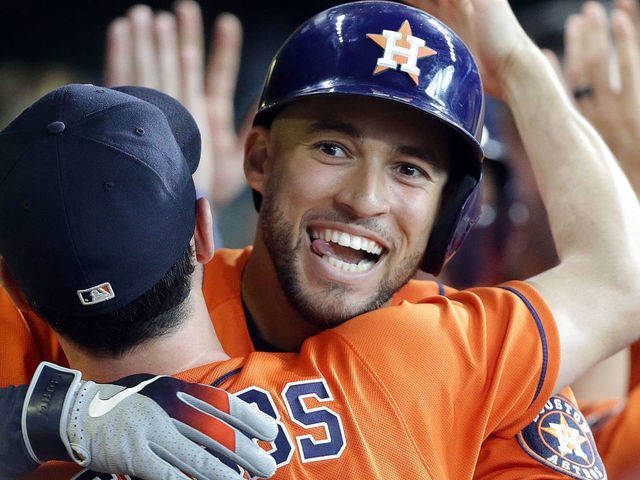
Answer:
(363, 102)
(98, 211)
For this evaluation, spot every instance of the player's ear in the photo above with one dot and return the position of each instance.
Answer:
(256, 157)
(17, 296)
(203, 233)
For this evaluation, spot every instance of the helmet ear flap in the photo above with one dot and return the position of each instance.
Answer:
(459, 211)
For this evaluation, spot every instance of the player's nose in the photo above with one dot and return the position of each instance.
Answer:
(363, 191)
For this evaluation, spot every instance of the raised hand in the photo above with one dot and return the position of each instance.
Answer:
(602, 69)
(145, 426)
(490, 30)
(166, 51)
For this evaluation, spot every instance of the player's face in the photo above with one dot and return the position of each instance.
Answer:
(350, 199)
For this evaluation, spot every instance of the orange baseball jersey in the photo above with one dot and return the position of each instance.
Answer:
(616, 426)
(616, 423)
(407, 391)
(222, 287)
(535, 453)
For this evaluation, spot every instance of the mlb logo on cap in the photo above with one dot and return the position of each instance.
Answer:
(86, 174)
(97, 294)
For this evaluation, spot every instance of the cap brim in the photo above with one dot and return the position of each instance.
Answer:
(184, 127)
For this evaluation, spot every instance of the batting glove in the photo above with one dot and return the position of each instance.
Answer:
(146, 426)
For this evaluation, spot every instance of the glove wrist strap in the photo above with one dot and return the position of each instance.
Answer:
(45, 411)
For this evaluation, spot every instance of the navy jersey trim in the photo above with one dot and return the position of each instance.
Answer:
(543, 338)
(440, 289)
(226, 376)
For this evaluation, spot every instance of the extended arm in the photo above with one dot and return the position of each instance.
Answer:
(594, 293)
(593, 214)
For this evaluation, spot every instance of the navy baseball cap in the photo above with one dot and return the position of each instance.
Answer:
(97, 200)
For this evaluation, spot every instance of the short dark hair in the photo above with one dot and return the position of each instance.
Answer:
(154, 313)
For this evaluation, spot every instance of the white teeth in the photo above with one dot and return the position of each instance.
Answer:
(362, 266)
(348, 240)
(365, 265)
(344, 239)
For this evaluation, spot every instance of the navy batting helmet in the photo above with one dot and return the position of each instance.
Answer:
(402, 54)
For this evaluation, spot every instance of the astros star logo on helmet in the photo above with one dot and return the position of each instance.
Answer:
(400, 48)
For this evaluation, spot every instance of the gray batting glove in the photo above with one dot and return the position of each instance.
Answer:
(146, 426)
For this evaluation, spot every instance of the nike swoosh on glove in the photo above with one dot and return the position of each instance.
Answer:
(152, 427)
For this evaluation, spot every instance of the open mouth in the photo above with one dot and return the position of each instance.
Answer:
(346, 251)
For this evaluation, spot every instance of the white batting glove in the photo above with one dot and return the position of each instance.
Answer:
(146, 426)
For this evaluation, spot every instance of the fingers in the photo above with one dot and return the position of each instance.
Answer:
(628, 53)
(222, 76)
(142, 49)
(118, 53)
(209, 431)
(166, 43)
(631, 8)
(247, 417)
(144, 61)
(597, 47)
(232, 410)
(573, 52)
(190, 33)
(577, 73)
(209, 420)
(191, 459)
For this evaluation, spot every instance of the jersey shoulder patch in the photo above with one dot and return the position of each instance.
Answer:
(560, 438)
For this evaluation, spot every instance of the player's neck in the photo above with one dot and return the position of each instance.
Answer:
(278, 323)
(192, 344)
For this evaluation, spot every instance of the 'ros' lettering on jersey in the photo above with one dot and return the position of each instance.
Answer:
(560, 438)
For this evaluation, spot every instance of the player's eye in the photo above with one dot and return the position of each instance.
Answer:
(331, 149)
(410, 171)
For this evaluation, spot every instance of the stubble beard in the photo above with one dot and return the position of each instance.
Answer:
(314, 308)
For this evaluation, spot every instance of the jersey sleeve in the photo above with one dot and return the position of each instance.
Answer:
(14, 459)
(477, 362)
(558, 443)
(25, 341)
(617, 435)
